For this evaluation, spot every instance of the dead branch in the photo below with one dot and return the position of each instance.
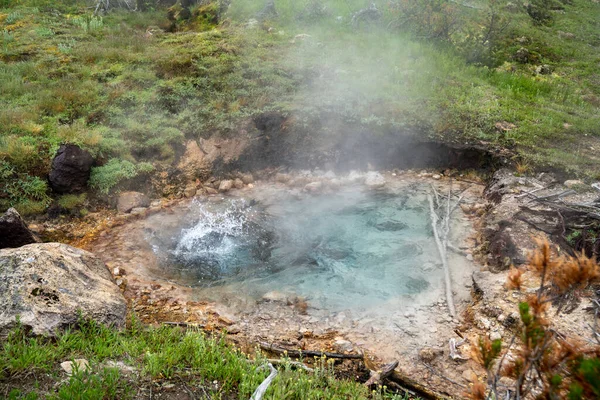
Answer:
(554, 196)
(441, 244)
(531, 192)
(262, 388)
(454, 354)
(457, 250)
(378, 376)
(307, 353)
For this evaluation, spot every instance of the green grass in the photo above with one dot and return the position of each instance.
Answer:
(124, 90)
(206, 364)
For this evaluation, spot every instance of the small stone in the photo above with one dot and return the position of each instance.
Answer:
(343, 346)
(234, 329)
(483, 323)
(313, 187)
(210, 190)
(275, 296)
(573, 182)
(282, 178)
(116, 271)
(469, 375)
(138, 210)
(168, 386)
(374, 180)
(189, 191)
(250, 186)
(470, 257)
(428, 354)
(238, 183)
(225, 185)
(79, 364)
(437, 177)
(247, 178)
(495, 336)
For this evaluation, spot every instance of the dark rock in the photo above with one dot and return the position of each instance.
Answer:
(502, 249)
(501, 183)
(49, 285)
(14, 231)
(70, 169)
(523, 55)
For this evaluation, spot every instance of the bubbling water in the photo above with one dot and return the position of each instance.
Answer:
(355, 248)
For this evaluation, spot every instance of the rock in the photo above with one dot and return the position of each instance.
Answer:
(247, 178)
(70, 169)
(48, 285)
(469, 375)
(573, 183)
(374, 180)
(225, 185)
(275, 296)
(282, 178)
(501, 184)
(428, 354)
(138, 210)
(502, 249)
(194, 163)
(210, 190)
(129, 200)
(483, 323)
(522, 55)
(14, 231)
(566, 35)
(238, 183)
(543, 69)
(437, 177)
(313, 187)
(79, 364)
(495, 336)
(343, 346)
(189, 191)
(470, 257)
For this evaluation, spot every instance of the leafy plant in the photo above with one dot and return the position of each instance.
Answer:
(106, 177)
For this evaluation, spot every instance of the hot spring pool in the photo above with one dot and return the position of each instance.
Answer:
(352, 248)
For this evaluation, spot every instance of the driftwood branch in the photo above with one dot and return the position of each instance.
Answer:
(442, 243)
(262, 388)
(454, 354)
(273, 348)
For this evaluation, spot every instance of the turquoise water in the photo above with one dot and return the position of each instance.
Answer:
(350, 248)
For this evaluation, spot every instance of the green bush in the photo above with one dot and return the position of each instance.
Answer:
(106, 177)
(71, 201)
(28, 194)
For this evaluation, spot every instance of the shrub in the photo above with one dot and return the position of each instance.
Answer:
(71, 201)
(106, 177)
(538, 360)
(28, 194)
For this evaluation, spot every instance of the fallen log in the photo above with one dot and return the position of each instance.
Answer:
(307, 353)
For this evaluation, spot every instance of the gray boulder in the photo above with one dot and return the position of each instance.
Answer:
(47, 286)
(14, 231)
(129, 200)
(70, 169)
